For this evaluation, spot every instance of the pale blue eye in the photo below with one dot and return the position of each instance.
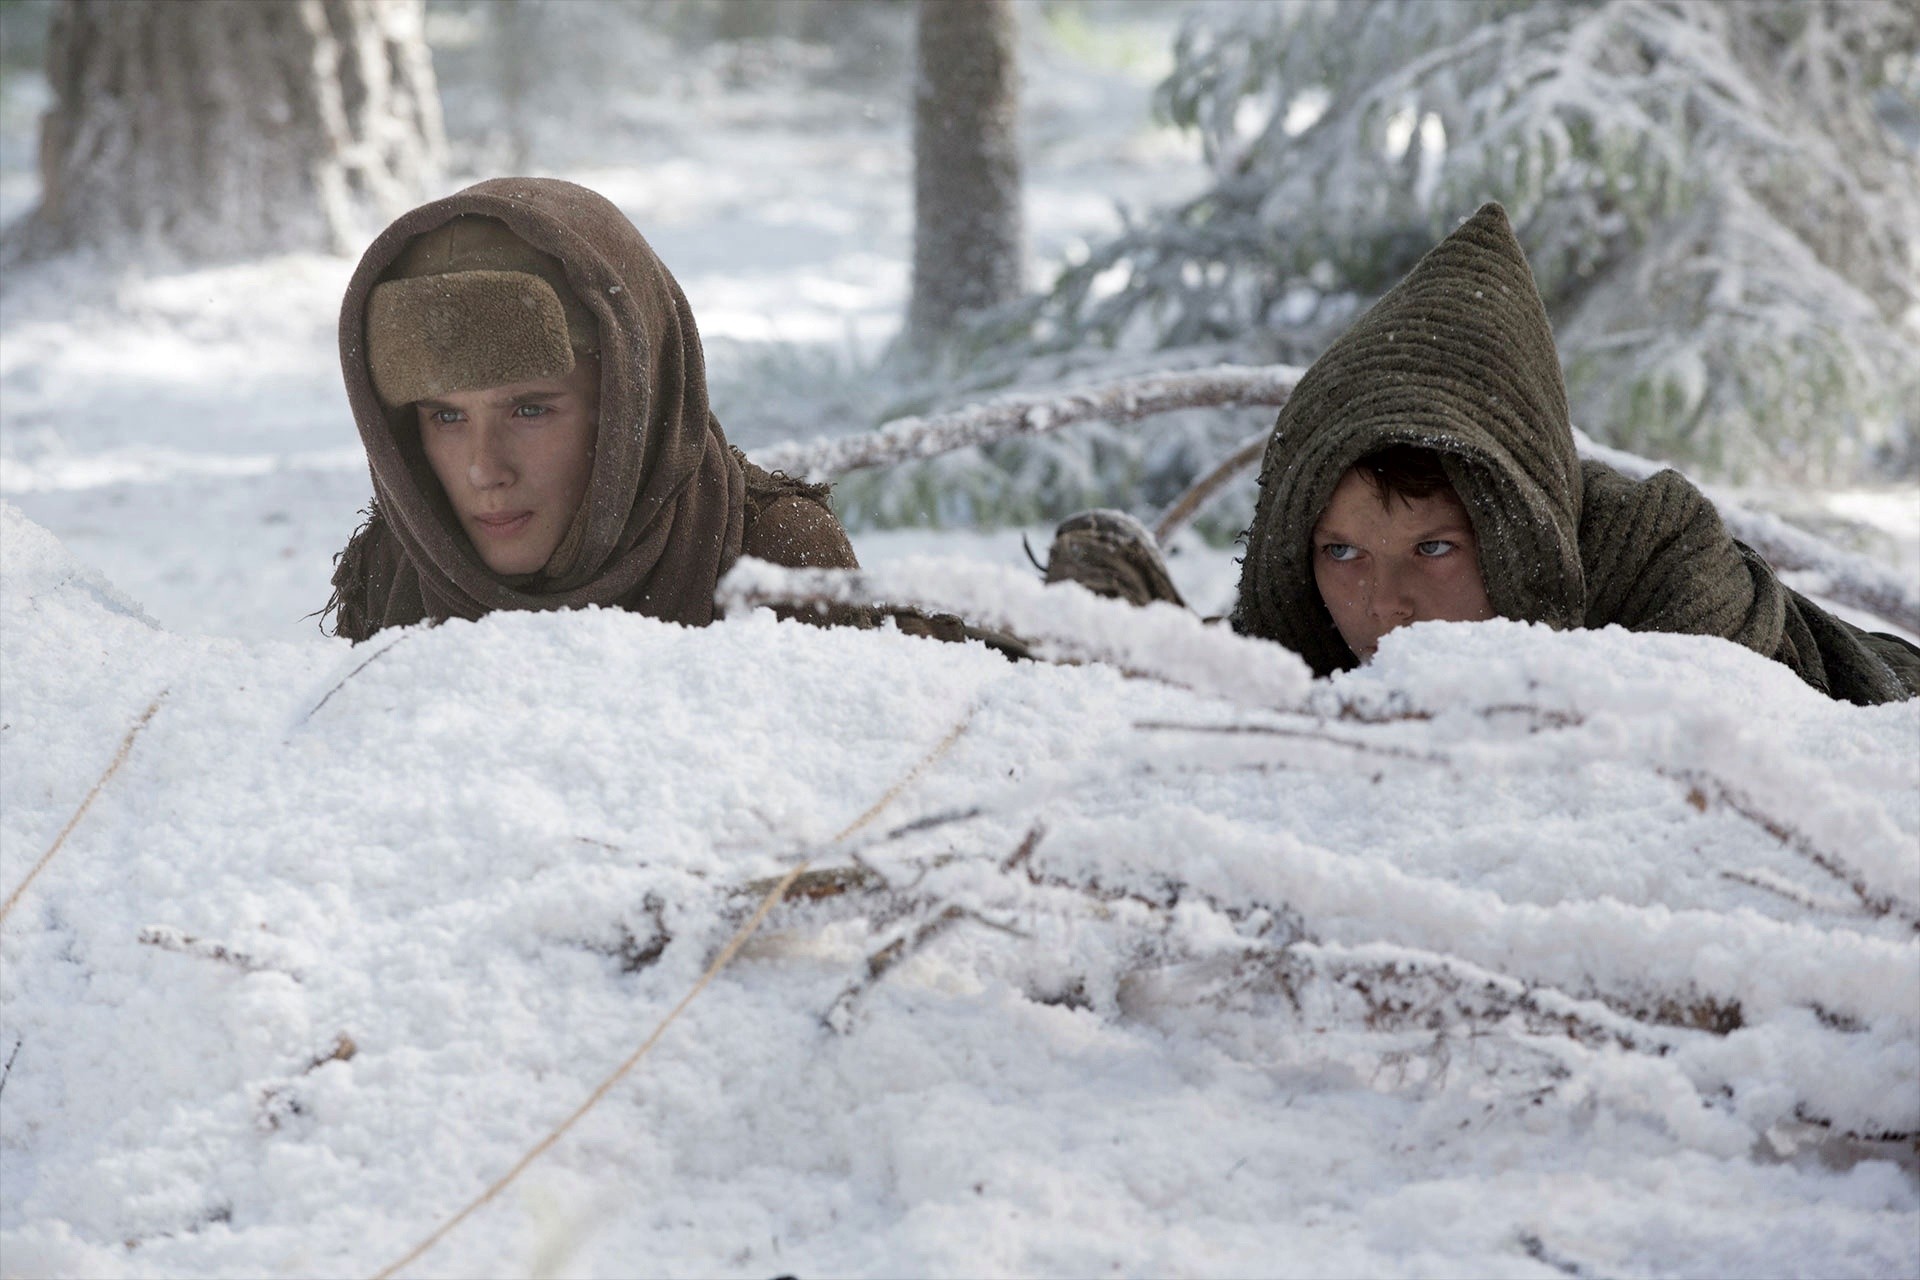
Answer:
(1339, 552)
(1437, 547)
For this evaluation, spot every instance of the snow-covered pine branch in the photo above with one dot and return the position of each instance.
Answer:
(1011, 417)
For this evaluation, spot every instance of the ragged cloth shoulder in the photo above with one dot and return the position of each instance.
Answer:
(1657, 557)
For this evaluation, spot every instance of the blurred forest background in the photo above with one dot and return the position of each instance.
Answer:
(1721, 201)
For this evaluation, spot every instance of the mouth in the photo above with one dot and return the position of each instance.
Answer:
(504, 524)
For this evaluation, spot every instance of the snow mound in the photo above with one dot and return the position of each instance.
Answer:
(1516, 951)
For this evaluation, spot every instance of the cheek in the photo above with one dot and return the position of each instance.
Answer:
(1340, 586)
(1460, 593)
(568, 460)
(442, 454)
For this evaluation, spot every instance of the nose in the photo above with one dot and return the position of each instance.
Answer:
(488, 466)
(1390, 601)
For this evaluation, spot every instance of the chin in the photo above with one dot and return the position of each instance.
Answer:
(513, 566)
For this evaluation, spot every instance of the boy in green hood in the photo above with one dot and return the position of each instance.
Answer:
(1424, 469)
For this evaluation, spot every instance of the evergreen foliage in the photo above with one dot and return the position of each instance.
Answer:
(1721, 203)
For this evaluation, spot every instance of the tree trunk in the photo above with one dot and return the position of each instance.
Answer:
(230, 128)
(968, 236)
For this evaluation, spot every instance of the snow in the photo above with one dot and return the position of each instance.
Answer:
(1279, 991)
(1411, 972)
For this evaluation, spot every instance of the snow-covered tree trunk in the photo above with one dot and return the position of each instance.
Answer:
(223, 128)
(968, 235)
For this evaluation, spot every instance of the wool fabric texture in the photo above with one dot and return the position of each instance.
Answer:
(666, 508)
(1459, 358)
(1111, 554)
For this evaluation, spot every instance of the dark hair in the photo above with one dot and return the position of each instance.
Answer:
(1406, 472)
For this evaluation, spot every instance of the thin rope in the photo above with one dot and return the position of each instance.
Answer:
(119, 758)
(727, 953)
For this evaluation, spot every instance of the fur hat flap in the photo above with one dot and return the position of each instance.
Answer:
(432, 335)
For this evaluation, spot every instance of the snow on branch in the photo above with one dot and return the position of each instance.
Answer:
(1062, 622)
(1010, 417)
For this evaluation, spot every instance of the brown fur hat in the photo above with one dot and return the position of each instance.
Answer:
(470, 304)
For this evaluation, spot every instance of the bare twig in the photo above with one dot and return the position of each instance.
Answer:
(7, 1070)
(371, 659)
(1128, 400)
(839, 1015)
(1791, 892)
(1303, 735)
(119, 758)
(1537, 1250)
(1878, 904)
(167, 939)
(1023, 855)
(1201, 491)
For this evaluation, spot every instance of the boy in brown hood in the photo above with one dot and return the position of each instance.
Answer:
(1424, 469)
(531, 391)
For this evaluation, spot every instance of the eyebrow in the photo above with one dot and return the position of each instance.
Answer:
(525, 397)
(1452, 526)
(1333, 534)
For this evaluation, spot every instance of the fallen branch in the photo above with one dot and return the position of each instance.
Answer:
(1011, 417)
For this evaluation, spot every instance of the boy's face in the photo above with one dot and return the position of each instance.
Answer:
(1382, 566)
(515, 461)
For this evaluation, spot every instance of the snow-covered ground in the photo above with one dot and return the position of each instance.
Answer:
(1517, 952)
(1514, 954)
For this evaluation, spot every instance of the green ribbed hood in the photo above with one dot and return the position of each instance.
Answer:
(1457, 358)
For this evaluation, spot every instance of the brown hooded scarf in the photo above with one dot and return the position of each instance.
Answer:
(669, 506)
(1458, 358)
